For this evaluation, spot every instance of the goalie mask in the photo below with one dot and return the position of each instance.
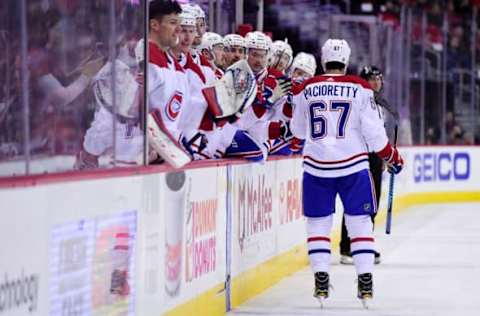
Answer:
(234, 93)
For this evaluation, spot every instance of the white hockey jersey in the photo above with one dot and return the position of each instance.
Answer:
(167, 87)
(338, 118)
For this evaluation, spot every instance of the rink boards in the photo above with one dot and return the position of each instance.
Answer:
(195, 242)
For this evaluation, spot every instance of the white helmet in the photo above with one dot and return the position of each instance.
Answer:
(210, 39)
(187, 19)
(233, 40)
(190, 9)
(282, 47)
(200, 13)
(305, 62)
(335, 50)
(258, 40)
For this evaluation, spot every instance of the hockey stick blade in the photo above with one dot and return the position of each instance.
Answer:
(388, 227)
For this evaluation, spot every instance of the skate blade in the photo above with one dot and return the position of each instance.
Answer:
(366, 299)
(321, 300)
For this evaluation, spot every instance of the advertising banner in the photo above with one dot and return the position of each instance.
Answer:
(195, 225)
(253, 216)
(92, 266)
(430, 169)
(291, 224)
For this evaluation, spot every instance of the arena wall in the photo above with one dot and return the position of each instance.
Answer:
(150, 241)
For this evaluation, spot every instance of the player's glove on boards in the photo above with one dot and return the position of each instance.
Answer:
(392, 157)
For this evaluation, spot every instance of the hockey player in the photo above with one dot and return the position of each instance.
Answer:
(196, 80)
(282, 56)
(235, 48)
(201, 24)
(212, 53)
(244, 138)
(272, 86)
(167, 91)
(303, 67)
(338, 118)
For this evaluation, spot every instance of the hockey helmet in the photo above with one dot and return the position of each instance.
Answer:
(258, 40)
(305, 62)
(282, 47)
(187, 19)
(335, 50)
(209, 40)
(233, 40)
(370, 71)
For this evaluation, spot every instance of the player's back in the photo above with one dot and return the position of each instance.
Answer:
(338, 117)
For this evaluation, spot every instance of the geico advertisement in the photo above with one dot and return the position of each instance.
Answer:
(440, 169)
(289, 198)
(252, 214)
(194, 211)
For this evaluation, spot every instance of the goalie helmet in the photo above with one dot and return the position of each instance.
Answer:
(335, 50)
(279, 48)
(233, 40)
(258, 40)
(305, 62)
(209, 40)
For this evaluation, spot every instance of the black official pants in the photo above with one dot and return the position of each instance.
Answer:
(376, 168)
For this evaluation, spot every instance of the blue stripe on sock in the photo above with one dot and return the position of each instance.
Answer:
(360, 251)
(318, 250)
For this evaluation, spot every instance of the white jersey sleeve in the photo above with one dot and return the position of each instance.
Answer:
(371, 122)
(298, 124)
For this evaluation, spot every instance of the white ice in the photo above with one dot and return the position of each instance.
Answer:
(430, 267)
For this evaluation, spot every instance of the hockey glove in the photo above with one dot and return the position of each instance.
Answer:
(282, 87)
(279, 129)
(392, 157)
(296, 145)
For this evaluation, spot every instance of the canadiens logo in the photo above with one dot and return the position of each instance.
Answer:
(174, 106)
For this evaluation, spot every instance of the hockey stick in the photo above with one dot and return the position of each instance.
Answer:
(390, 191)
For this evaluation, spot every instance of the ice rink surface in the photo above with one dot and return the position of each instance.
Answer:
(430, 266)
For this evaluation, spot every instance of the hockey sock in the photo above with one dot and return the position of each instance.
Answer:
(360, 231)
(318, 241)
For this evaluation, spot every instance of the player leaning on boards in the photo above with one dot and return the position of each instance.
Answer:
(337, 116)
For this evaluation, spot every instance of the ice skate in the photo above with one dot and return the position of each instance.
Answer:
(346, 258)
(321, 287)
(365, 289)
(377, 257)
